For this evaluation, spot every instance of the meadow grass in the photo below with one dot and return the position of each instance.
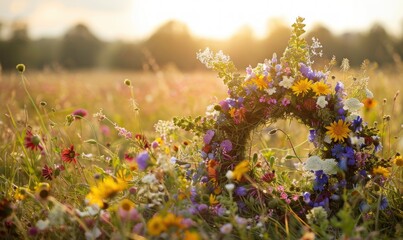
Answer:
(159, 96)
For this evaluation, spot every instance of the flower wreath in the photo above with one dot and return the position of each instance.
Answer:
(345, 147)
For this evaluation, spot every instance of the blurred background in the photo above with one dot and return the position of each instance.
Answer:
(135, 34)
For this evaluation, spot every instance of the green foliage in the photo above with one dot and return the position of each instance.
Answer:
(297, 49)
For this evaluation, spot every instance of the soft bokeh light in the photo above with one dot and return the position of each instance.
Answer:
(137, 19)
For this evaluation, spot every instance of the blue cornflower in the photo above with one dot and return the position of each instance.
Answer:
(357, 124)
(384, 203)
(320, 181)
(307, 197)
(312, 135)
(337, 150)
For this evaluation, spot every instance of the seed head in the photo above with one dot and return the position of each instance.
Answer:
(128, 82)
(20, 67)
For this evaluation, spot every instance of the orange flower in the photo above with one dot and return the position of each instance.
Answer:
(369, 103)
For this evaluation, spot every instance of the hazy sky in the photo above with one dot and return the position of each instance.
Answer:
(137, 19)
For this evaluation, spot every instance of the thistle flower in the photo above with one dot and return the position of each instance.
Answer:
(79, 113)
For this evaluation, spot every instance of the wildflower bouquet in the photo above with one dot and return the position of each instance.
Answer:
(211, 187)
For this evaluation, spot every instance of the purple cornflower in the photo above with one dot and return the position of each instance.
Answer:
(208, 137)
(226, 146)
(241, 191)
(224, 105)
(142, 160)
(339, 87)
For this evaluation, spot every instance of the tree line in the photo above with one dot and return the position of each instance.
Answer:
(173, 45)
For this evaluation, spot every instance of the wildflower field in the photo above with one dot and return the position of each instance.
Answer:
(286, 149)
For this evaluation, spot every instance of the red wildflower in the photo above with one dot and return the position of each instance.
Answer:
(47, 172)
(80, 113)
(32, 141)
(69, 155)
(142, 140)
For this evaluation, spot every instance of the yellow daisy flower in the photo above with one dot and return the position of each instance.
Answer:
(261, 82)
(42, 191)
(155, 226)
(302, 87)
(321, 88)
(104, 190)
(213, 201)
(381, 171)
(240, 170)
(191, 236)
(338, 130)
(398, 160)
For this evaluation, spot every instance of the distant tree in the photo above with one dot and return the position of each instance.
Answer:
(379, 44)
(15, 50)
(79, 48)
(172, 43)
(126, 55)
(243, 47)
(276, 39)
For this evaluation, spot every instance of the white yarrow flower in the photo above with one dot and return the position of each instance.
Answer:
(352, 105)
(369, 93)
(229, 175)
(321, 102)
(315, 163)
(287, 82)
(230, 187)
(271, 91)
(42, 224)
